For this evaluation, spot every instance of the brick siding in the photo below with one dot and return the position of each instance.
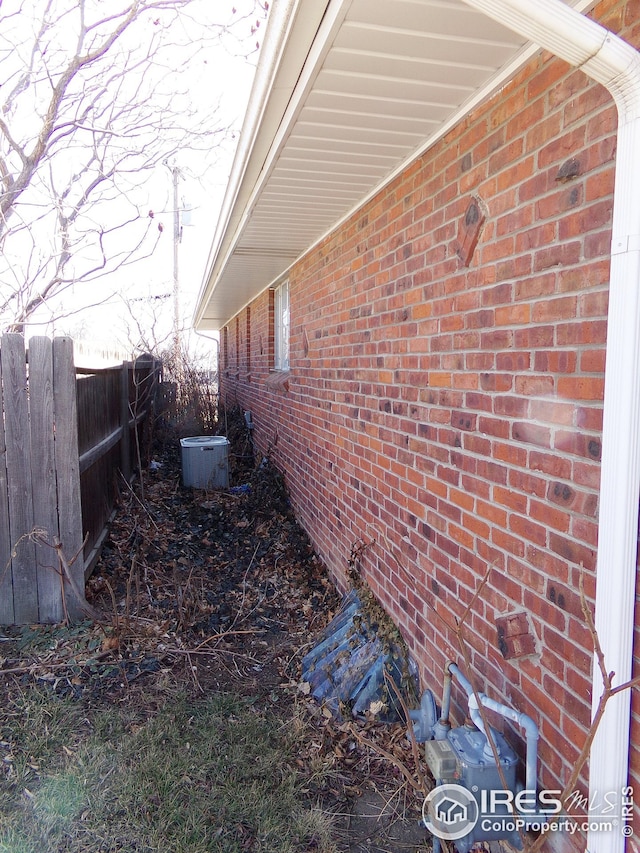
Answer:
(450, 414)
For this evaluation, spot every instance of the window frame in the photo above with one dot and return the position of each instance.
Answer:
(281, 325)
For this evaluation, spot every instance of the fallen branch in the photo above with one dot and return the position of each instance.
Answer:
(228, 633)
(41, 537)
(412, 735)
(128, 485)
(83, 604)
(607, 693)
(210, 653)
(416, 784)
(98, 660)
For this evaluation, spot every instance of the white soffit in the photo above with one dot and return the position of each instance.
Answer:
(383, 79)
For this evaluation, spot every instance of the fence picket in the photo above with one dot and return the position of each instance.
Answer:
(67, 466)
(125, 446)
(6, 574)
(18, 440)
(45, 515)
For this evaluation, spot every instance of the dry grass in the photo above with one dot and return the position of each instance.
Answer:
(217, 774)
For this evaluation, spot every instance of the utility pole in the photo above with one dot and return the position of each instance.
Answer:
(176, 240)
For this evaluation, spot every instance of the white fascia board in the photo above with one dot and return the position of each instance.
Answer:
(291, 30)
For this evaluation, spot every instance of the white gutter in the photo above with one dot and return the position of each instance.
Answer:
(300, 33)
(612, 62)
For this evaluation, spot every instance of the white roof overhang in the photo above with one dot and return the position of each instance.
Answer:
(346, 94)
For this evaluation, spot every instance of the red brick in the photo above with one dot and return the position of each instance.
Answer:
(561, 147)
(597, 245)
(531, 433)
(527, 576)
(556, 361)
(550, 516)
(528, 529)
(539, 285)
(558, 309)
(599, 185)
(527, 482)
(563, 254)
(581, 387)
(513, 315)
(511, 453)
(580, 444)
(453, 413)
(584, 332)
(575, 552)
(585, 220)
(513, 361)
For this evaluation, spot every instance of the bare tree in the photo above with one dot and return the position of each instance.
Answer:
(96, 95)
(144, 325)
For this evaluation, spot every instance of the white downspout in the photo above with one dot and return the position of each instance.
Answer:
(612, 62)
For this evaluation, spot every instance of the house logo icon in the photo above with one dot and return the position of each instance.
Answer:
(450, 812)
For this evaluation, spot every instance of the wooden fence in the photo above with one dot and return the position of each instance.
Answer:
(68, 436)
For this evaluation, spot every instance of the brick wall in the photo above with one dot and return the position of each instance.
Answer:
(445, 396)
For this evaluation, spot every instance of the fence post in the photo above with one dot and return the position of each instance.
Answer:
(67, 466)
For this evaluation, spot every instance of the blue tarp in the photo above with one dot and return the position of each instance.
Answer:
(346, 668)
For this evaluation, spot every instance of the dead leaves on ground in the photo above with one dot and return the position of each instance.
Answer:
(212, 591)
